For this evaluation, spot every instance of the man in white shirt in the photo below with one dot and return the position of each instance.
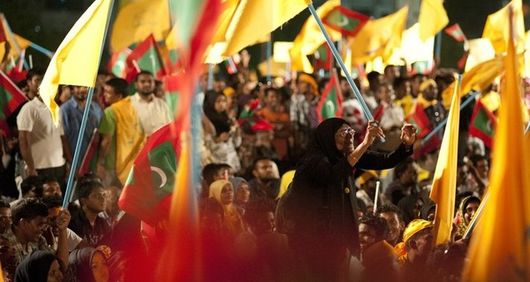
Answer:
(42, 143)
(153, 112)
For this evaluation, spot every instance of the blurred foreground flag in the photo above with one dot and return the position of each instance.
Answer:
(496, 27)
(432, 19)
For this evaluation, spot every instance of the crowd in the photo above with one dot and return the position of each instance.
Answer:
(262, 143)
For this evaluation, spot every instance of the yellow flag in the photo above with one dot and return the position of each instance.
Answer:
(76, 61)
(22, 44)
(310, 38)
(229, 10)
(496, 27)
(137, 20)
(379, 37)
(500, 244)
(477, 78)
(17, 43)
(257, 18)
(432, 19)
(444, 182)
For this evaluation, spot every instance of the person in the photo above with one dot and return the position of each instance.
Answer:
(40, 266)
(394, 219)
(428, 100)
(415, 250)
(223, 192)
(51, 188)
(152, 111)
(403, 98)
(122, 136)
(302, 110)
(404, 183)
(43, 145)
(222, 143)
(72, 115)
(30, 217)
(51, 233)
(34, 79)
(321, 203)
(266, 181)
(389, 115)
(242, 192)
(5, 217)
(88, 264)
(88, 223)
(467, 209)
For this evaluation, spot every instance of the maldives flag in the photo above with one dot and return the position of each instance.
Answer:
(172, 84)
(11, 98)
(330, 103)
(118, 63)
(323, 57)
(419, 119)
(456, 33)
(152, 176)
(483, 124)
(147, 57)
(344, 20)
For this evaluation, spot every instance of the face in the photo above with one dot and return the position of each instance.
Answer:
(264, 169)
(227, 194)
(243, 194)
(430, 93)
(96, 200)
(34, 228)
(340, 136)
(80, 93)
(385, 93)
(366, 236)
(265, 223)
(110, 95)
(272, 98)
(409, 176)
(145, 84)
(100, 271)
(223, 173)
(303, 87)
(34, 83)
(394, 224)
(423, 242)
(51, 189)
(5, 219)
(220, 104)
(482, 168)
(470, 210)
(55, 274)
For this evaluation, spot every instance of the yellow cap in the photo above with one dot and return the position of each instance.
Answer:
(426, 84)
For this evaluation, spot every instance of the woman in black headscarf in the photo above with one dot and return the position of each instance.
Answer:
(88, 265)
(40, 266)
(323, 204)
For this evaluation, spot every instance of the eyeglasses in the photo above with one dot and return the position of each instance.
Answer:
(345, 131)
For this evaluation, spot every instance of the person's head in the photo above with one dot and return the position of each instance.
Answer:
(34, 78)
(114, 90)
(372, 229)
(417, 79)
(481, 164)
(418, 240)
(39, 266)
(112, 195)
(222, 191)
(23, 85)
(429, 89)
(341, 134)
(224, 171)
(88, 264)
(469, 207)
(260, 216)
(30, 217)
(242, 194)
(91, 195)
(402, 87)
(159, 89)
(145, 83)
(307, 84)
(54, 205)
(264, 169)
(394, 220)
(374, 79)
(406, 172)
(80, 93)
(384, 93)
(51, 188)
(5, 216)
(216, 101)
(329, 138)
(411, 207)
(391, 73)
(271, 97)
(209, 173)
(31, 187)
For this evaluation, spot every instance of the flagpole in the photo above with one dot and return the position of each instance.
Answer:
(438, 48)
(41, 49)
(73, 167)
(269, 59)
(210, 77)
(527, 128)
(366, 110)
(442, 124)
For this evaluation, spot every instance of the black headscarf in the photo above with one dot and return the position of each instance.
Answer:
(35, 267)
(80, 264)
(324, 139)
(220, 121)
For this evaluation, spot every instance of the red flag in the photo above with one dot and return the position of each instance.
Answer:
(323, 57)
(11, 98)
(482, 124)
(344, 20)
(330, 103)
(456, 33)
(146, 56)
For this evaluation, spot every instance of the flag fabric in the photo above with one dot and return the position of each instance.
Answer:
(323, 58)
(88, 163)
(147, 57)
(496, 27)
(7, 35)
(478, 78)
(345, 21)
(379, 37)
(330, 103)
(172, 84)
(138, 19)
(118, 63)
(11, 98)
(76, 61)
(443, 189)
(230, 65)
(251, 25)
(500, 245)
(482, 124)
(456, 32)
(432, 18)
(310, 38)
(21, 45)
(421, 121)
(17, 72)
